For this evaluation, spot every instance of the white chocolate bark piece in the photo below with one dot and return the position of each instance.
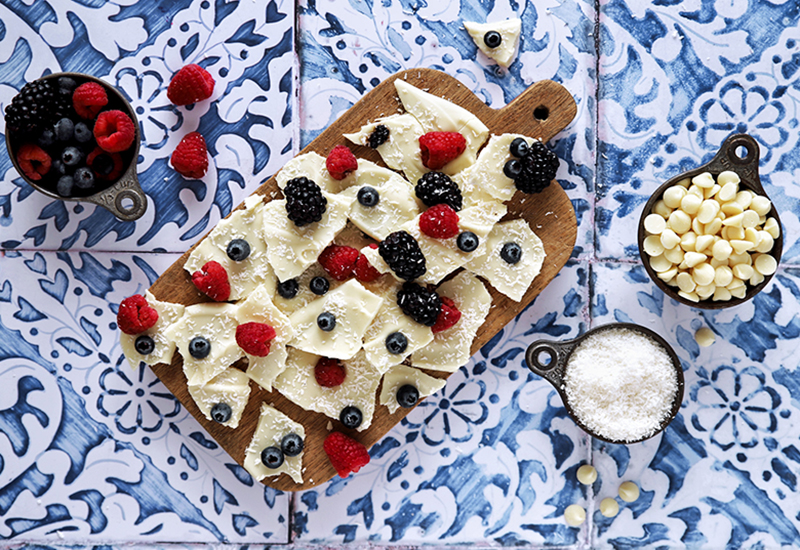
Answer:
(244, 275)
(292, 249)
(272, 427)
(164, 347)
(391, 319)
(352, 236)
(231, 386)
(360, 385)
(401, 375)
(401, 150)
(436, 114)
(512, 280)
(485, 179)
(354, 308)
(217, 323)
(304, 295)
(509, 33)
(259, 308)
(396, 205)
(450, 348)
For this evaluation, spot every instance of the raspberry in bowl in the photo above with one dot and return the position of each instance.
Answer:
(74, 137)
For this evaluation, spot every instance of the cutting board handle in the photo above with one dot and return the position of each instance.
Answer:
(541, 111)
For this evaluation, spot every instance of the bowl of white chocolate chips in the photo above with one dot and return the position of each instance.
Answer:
(711, 238)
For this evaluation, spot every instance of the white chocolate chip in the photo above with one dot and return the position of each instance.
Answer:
(655, 224)
(723, 275)
(771, 226)
(721, 294)
(728, 191)
(702, 242)
(662, 209)
(691, 296)
(728, 177)
(609, 507)
(708, 210)
(674, 255)
(685, 282)
(690, 203)
(765, 264)
(673, 196)
(704, 180)
(761, 205)
(679, 221)
(670, 239)
(743, 271)
(703, 274)
(652, 245)
(574, 515)
(694, 258)
(688, 241)
(628, 491)
(587, 474)
(660, 263)
(668, 275)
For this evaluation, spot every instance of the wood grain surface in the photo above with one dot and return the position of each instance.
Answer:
(541, 111)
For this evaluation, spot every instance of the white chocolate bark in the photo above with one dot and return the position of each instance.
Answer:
(312, 166)
(485, 179)
(391, 319)
(396, 205)
(217, 323)
(244, 275)
(354, 308)
(164, 346)
(509, 33)
(401, 151)
(304, 295)
(259, 308)
(512, 280)
(450, 348)
(436, 114)
(401, 375)
(273, 426)
(360, 385)
(292, 249)
(231, 386)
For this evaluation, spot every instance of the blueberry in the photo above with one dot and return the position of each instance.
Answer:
(64, 129)
(144, 345)
(512, 169)
(319, 285)
(351, 417)
(84, 178)
(396, 343)
(103, 164)
(71, 156)
(288, 289)
(272, 457)
(368, 196)
(221, 412)
(407, 396)
(46, 138)
(58, 166)
(83, 134)
(199, 347)
(492, 39)
(238, 250)
(511, 253)
(67, 84)
(64, 186)
(467, 241)
(292, 444)
(326, 321)
(519, 147)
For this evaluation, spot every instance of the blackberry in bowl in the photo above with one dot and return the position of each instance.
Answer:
(74, 137)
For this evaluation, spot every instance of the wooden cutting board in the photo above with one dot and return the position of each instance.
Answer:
(541, 111)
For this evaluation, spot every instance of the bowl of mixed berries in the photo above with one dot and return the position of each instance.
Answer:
(73, 137)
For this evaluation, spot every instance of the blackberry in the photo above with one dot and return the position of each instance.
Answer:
(35, 107)
(437, 188)
(539, 168)
(419, 303)
(402, 253)
(304, 201)
(378, 136)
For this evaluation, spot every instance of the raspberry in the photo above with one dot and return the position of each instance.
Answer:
(329, 373)
(345, 453)
(339, 261)
(439, 148)
(106, 166)
(135, 315)
(189, 85)
(255, 338)
(190, 158)
(114, 131)
(212, 279)
(378, 136)
(34, 161)
(437, 188)
(539, 167)
(364, 270)
(448, 315)
(402, 253)
(419, 303)
(304, 201)
(439, 222)
(88, 99)
(340, 162)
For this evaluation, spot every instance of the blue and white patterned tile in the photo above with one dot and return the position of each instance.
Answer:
(91, 449)
(677, 79)
(248, 123)
(724, 473)
(348, 48)
(489, 459)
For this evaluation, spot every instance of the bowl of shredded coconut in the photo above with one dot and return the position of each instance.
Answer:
(621, 382)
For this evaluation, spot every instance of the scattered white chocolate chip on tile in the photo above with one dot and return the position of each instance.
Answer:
(609, 507)
(574, 515)
(704, 337)
(628, 491)
(587, 474)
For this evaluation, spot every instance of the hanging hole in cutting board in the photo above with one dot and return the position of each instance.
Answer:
(541, 113)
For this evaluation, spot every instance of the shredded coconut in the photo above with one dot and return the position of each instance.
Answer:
(620, 384)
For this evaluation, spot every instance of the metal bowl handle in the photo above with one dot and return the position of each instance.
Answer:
(553, 370)
(125, 199)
